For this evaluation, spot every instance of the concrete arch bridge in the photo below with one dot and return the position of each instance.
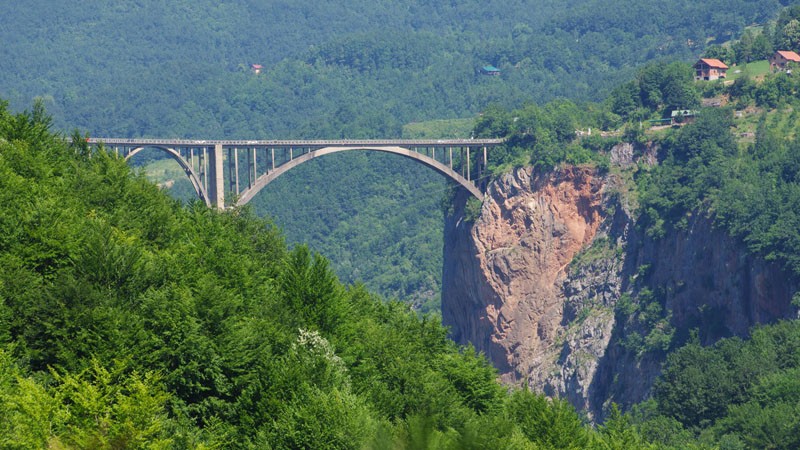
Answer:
(231, 172)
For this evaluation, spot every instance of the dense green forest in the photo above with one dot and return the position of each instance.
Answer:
(401, 255)
(737, 394)
(736, 163)
(159, 68)
(180, 68)
(129, 321)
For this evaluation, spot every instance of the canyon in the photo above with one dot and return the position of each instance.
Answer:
(561, 289)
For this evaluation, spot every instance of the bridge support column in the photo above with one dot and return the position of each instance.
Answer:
(254, 166)
(468, 178)
(482, 182)
(236, 167)
(216, 186)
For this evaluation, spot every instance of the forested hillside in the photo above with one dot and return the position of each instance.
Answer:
(355, 69)
(734, 164)
(342, 69)
(127, 321)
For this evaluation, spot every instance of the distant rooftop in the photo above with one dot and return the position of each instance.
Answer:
(714, 63)
(789, 55)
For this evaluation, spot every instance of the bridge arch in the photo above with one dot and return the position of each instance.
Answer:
(209, 179)
(445, 170)
(187, 168)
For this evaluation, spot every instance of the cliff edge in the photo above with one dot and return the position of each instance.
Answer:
(554, 283)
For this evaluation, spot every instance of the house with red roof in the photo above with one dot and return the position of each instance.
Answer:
(256, 68)
(710, 69)
(781, 58)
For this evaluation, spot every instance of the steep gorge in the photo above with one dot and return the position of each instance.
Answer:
(552, 280)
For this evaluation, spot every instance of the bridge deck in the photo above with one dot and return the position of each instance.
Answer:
(300, 143)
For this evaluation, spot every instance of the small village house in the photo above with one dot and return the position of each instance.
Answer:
(710, 69)
(682, 116)
(781, 58)
(256, 68)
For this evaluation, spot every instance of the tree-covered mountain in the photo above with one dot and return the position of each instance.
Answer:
(129, 321)
(338, 69)
(733, 166)
(180, 68)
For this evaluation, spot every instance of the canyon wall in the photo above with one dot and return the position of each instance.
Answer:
(547, 282)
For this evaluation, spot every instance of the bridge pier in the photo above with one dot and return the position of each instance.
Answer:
(216, 186)
(468, 176)
(236, 167)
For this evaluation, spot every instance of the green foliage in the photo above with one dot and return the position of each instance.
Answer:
(758, 194)
(438, 129)
(244, 343)
(618, 433)
(129, 321)
(787, 30)
(376, 228)
(550, 425)
(309, 289)
(96, 408)
(666, 87)
(337, 70)
(752, 46)
(690, 174)
(659, 429)
(546, 135)
(333, 70)
(736, 391)
(472, 211)
(646, 326)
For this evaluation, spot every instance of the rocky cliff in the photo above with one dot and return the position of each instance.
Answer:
(556, 286)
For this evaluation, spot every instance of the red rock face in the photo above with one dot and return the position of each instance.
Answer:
(512, 289)
(530, 228)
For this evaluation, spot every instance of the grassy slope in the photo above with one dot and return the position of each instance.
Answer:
(755, 69)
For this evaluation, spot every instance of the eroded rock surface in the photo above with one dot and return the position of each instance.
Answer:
(535, 283)
(505, 288)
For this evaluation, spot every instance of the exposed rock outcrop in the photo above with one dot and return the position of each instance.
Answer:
(535, 281)
(504, 275)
